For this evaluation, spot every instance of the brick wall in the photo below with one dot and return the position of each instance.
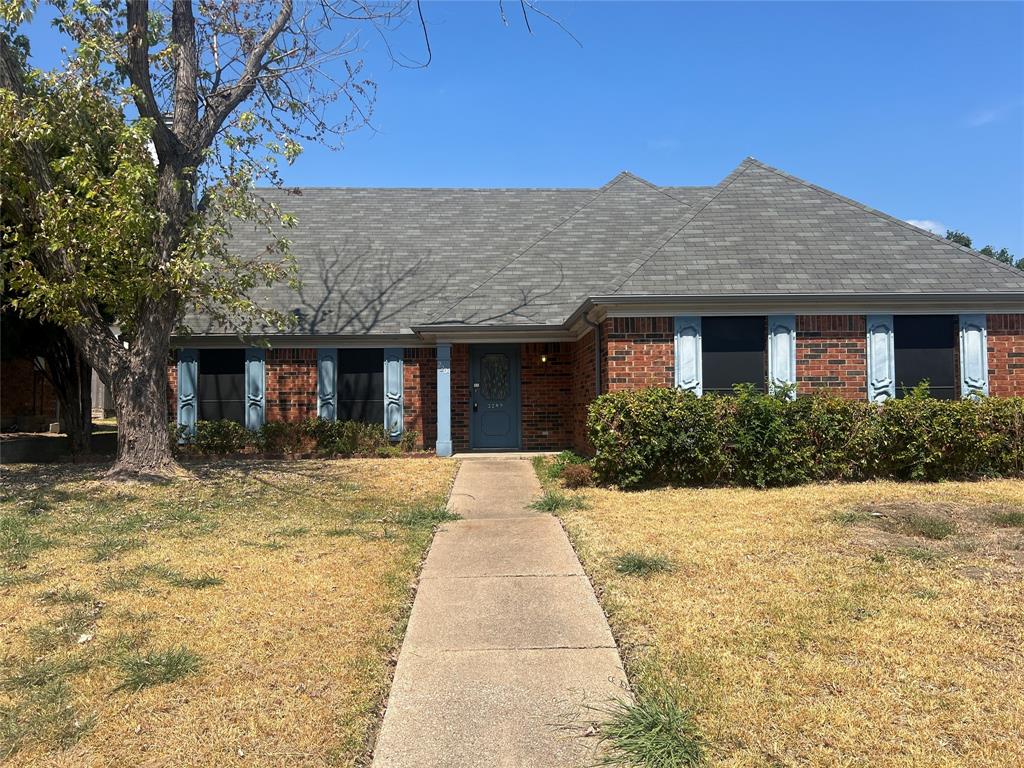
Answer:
(547, 396)
(831, 355)
(172, 388)
(460, 397)
(420, 384)
(639, 353)
(26, 397)
(583, 390)
(1006, 355)
(291, 384)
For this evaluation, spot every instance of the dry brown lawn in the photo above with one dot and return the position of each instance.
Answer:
(248, 616)
(875, 625)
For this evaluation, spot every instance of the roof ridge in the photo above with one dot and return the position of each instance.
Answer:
(719, 188)
(477, 286)
(652, 185)
(883, 215)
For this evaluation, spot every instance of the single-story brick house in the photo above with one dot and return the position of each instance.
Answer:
(490, 318)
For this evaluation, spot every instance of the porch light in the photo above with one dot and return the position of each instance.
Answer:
(543, 358)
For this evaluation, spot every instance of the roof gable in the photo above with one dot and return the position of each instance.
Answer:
(766, 232)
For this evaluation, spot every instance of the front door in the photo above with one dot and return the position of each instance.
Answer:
(494, 397)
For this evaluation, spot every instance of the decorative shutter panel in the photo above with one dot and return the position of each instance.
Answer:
(688, 354)
(188, 386)
(881, 359)
(394, 417)
(255, 395)
(327, 384)
(973, 355)
(782, 352)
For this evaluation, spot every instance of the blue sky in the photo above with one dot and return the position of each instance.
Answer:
(913, 108)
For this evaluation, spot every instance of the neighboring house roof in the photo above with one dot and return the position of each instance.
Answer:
(385, 261)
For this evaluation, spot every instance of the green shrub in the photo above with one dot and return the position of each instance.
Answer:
(283, 437)
(346, 438)
(220, 437)
(659, 436)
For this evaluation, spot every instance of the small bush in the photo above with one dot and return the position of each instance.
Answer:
(347, 438)
(577, 476)
(666, 436)
(283, 437)
(639, 564)
(157, 667)
(221, 437)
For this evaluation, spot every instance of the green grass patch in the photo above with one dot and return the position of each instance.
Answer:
(641, 564)
(1011, 518)
(291, 531)
(33, 673)
(144, 670)
(655, 731)
(18, 542)
(919, 554)
(424, 516)
(556, 501)
(47, 715)
(111, 547)
(929, 526)
(66, 596)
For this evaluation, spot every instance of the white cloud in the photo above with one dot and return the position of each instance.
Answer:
(935, 227)
(984, 117)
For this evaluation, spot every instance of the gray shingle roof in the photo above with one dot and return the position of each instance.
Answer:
(382, 261)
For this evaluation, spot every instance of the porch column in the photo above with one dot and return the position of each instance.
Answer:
(444, 400)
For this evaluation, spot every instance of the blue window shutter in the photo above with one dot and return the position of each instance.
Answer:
(881, 359)
(327, 384)
(394, 417)
(782, 352)
(255, 395)
(188, 387)
(973, 355)
(688, 354)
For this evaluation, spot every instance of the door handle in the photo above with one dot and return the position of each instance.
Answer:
(475, 406)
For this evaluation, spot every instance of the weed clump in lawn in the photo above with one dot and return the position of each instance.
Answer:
(929, 526)
(556, 501)
(655, 731)
(1010, 518)
(157, 668)
(640, 564)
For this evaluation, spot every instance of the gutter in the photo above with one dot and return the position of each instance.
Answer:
(597, 352)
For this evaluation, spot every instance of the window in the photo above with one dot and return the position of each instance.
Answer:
(222, 384)
(733, 352)
(923, 347)
(361, 385)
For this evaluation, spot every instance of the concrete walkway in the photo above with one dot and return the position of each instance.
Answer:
(506, 642)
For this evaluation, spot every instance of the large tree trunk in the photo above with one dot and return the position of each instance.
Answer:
(76, 405)
(140, 403)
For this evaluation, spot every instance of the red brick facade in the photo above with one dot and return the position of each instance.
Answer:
(635, 352)
(640, 352)
(420, 385)
(27, 400)
(1005, 355)
(290, 384)
(832, 355)
(547, 396)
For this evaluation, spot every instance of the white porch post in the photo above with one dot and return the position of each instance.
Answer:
(444, 400)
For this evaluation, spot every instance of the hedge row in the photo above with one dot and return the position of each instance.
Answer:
(319, 436)
(666, 436)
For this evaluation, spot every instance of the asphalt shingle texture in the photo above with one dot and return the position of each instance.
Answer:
(382, 261)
